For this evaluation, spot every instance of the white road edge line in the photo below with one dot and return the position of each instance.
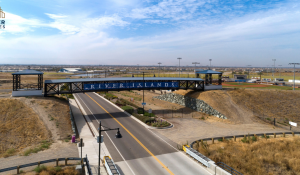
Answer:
(108, 137)
(151, 131)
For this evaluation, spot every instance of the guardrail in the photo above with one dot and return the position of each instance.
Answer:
(110, 166)
(246, 135)
(46, 161)
(196, 155)
(228, 168)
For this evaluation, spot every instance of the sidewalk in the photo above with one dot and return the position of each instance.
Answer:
(91, 147)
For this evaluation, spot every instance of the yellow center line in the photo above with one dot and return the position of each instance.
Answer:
(164, 166)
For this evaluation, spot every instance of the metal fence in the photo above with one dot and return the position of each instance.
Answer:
(228, 168)
(243, 136)
(72, 117)
(110, 166)
(48, 161)
(177, 113)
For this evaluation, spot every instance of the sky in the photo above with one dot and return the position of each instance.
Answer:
(145, 32)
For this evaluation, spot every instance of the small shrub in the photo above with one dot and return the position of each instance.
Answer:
(57, 169)
(21, 171)
(39, 169)
(128, 109)
(140, 110)
(220, 140)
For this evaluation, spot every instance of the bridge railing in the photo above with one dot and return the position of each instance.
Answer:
(48, 161)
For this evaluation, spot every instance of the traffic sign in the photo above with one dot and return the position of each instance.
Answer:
(143, 104)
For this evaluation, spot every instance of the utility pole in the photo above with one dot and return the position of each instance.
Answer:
(179, 65)
(294, 71)
(210, 63)
(279, 71)
(159, 68)
(273, 68)
(249, 71)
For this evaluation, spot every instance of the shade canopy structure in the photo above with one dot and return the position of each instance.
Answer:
(208, 77)
(28, 72)
(17, 80)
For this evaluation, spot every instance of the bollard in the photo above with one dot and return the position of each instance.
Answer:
(223, 139)
(213, 141)
(56, 162)
(274, 135)
(18, 170)
(66, 161)
(73, 138)
(293, 134)
(283, 134)
(234, 138)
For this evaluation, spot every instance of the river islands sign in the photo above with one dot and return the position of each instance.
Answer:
(133, 85)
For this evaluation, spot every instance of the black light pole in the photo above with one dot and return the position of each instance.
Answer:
(249, 71)
(294, 71)
(179, 65)
(143, 92)
(159, 68)
(279, 71)
(273, 73)
(99, 158)
(118, 135)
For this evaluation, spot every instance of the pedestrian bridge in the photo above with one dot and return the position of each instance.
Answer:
(69, 86)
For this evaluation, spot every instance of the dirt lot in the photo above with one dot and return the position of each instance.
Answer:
(37, 119)
(195, 125)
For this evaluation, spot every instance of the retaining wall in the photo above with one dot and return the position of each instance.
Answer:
(195, 104)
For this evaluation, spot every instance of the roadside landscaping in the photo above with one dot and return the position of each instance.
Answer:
(148, 118)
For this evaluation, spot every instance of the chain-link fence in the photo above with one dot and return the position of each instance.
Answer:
(177, 113)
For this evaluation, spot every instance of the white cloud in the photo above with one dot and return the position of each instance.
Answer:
(83, 25)
(18, 24)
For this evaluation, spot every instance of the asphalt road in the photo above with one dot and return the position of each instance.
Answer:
(139, 151)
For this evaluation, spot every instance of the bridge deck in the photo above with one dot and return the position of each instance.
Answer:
(67, 86)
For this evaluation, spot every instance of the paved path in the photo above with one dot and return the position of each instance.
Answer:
(139, 151)
(91, 147)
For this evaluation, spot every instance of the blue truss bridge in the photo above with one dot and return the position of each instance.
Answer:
(69, 86)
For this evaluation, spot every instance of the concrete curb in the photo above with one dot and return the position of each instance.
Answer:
(145, 125)
(94, 130)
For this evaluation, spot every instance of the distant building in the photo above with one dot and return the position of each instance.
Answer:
(70, 70)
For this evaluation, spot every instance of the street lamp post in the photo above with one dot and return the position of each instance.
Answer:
(143, 92)
(294, 71)
(273, 68)
(159, 68)
(195, 64)
(279, 71)
(179, 65)
(210, 63)
(118, 135)
(249, 71)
